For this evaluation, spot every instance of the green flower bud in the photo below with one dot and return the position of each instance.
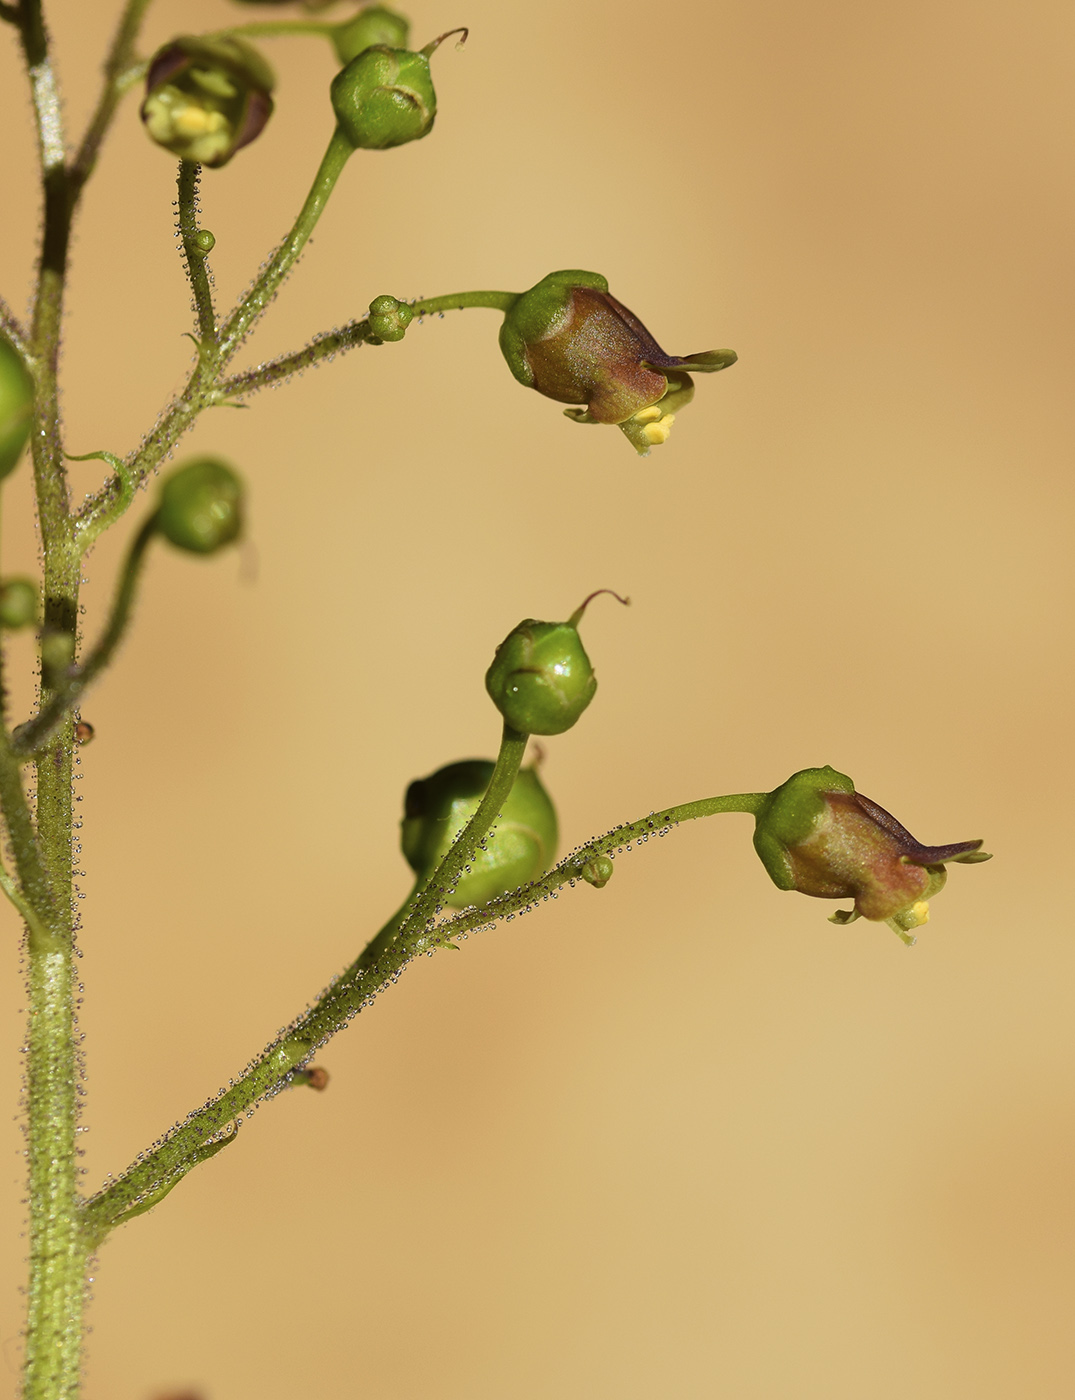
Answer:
(203, 242)
(207, 97)
(389, 318)
(598, 871)
(569, 339)
(373, 25)
(18, 602)
(16, 406)
(541, 679)
(201, 506)
(384, 97)
(521, 845)
(817, 835)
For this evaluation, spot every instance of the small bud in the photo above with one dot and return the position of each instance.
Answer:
(597, 871)
(569, 339)
(18, 602)
(373, 25)
(16, 406)
(541, 679)
(203, 242)
(315, 1076)
(201, 506)
(84, 732)
(521, 845)
(389, 318)
(207, 97)
(384, 97)
(57, 654)
(817, 835)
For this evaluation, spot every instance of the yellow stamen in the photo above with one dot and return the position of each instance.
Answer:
(648, 415)
(921, 913)
(656, 433)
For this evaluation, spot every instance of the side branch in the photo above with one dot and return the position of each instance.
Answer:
(121, 71)
(194, 254)
(354, 990)
(322, 347)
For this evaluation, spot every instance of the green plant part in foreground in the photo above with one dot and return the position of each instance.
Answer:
(16, 406)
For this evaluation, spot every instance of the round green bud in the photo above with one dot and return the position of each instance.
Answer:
(57, 654)
(207, 97)
(384, 98)
(541, 679)
(521, 845)
(389, 318)
(16, 406)
(597, 871)
(18, 602)
(201, 506)
(204, 242)
(375, 24)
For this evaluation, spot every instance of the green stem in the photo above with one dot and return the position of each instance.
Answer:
(195, 258)
(322, 347)
(401, 941)
(274, 28)
(459, 301)
(66, 696)
(11, 327)
(256, 301)
(121, 73)
(385, 935)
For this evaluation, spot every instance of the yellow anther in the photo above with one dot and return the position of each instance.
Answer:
(648, 415)
(921, 913)
(656, 433)
(196, 121)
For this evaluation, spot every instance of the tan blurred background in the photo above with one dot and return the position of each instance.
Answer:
(682, 1137)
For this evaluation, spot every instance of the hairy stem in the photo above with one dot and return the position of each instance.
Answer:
(121, 73)
(321, 348)
(156, 1171)
(460, 301)
(257, 299)
(195, 257)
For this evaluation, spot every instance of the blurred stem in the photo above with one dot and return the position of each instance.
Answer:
(402, 940)
(67, 694)
(195, 259)
(277, 28)
(121, 72)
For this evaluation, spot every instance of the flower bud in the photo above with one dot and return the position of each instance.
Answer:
(207, 97)
(541, 679)
(18, 602)
(598, 871)
(84, 733)
(520, 846)
(16, 406)
(201, 506)
(373, 25)
(389, 318)
(569, 339)
(384, 97)
(817, 835)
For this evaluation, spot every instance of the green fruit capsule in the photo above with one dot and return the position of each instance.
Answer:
(375, 24)
(521, 845)
(207, 97)
(16, 406)
(384, 97)
(541, 679)
(201, 506)
(18, 603)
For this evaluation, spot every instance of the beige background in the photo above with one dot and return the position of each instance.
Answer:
(682, 1137)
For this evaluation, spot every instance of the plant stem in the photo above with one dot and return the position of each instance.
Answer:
(66, 696)
(322, 347)
(278, 28)
(459, 301)
(257, 299)
(195, 258)
(11, 327)
(357, 987)
(121, 73)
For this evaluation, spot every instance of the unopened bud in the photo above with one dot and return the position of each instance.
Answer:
(520, 846)
(84, 732)
(389, 318)
(597, 871)
(201, 506)
(385, 97)
(541, 679)
(203, 242)
(207, 97)
(18, 602)
(16, 406)
(376, 24)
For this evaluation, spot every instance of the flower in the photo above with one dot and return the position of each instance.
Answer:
(817, 835)
(207, 97)
(570, 339)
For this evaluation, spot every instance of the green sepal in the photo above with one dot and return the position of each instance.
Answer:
(541, 679)
(538, 312)
(788, 816)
